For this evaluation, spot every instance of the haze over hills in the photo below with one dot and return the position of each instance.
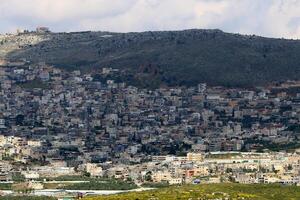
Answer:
(166, 57)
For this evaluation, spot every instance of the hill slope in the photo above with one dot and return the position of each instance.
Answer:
(212, 191)
(170, 57)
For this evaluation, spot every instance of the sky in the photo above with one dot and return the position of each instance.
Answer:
(270, 18)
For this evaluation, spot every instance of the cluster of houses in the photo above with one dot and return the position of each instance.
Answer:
(59, 122)
(195, 168)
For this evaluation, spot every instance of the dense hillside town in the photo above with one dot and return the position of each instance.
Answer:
(149, 100)
(64, 123)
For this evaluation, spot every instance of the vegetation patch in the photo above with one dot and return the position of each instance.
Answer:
(212, 191)
(34, 84)
(102, 185)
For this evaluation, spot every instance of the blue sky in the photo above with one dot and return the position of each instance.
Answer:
(272, 18)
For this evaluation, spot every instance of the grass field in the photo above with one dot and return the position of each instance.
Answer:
(102, 185)
(26, 198)
(212, 191)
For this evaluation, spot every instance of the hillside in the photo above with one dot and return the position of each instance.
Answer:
(169, 57)
(212, 191)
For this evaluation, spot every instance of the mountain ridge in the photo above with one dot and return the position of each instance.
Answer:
(155, 58)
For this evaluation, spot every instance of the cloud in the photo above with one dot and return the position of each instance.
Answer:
(273, 18)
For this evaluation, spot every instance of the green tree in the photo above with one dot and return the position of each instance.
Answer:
(148, 176)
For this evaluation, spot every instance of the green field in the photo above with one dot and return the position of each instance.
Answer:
(102, 185)
(212, 191)
(26, 198)
(5, 186)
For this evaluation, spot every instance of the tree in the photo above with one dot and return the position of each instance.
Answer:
(18, 177)
(231, 179)
(86, 174)
(148, 176)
